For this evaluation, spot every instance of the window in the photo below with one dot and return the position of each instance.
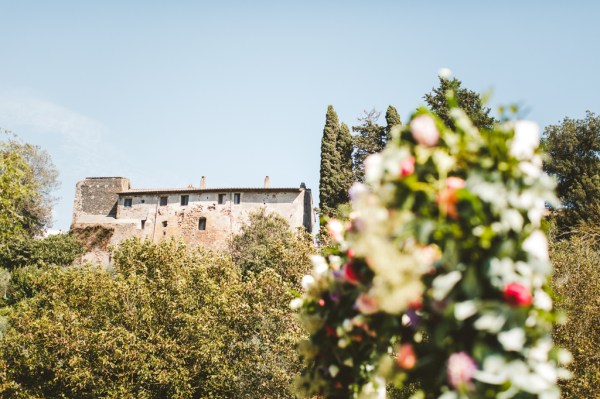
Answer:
(165, 223)
(202, 224)
(237, 198)
(143, 224)
(163, 201)
(143, 201)
(127, 202)
(221, 199)
(185, 199)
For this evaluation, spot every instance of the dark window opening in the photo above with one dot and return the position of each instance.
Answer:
(185, 199)
(143, 224)
(202, 224)
(127, 202)
(163, 201)
(221, 199)
(237, 198)
(165, 223)
(143, 201)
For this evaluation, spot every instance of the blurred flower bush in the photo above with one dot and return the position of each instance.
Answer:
(439, 279)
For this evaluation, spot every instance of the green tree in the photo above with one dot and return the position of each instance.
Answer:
(56, 250)
(266, 241)
(169, 322)
(330, 180)
(345, 147)
(371, 138)
(573, 147)
(392, 118)
(28, 179)
(470, 101)
(15, 192)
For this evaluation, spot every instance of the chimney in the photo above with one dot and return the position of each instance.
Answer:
(267, 183)
(203, 182)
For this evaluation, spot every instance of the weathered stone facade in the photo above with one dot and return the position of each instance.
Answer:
(199, 216)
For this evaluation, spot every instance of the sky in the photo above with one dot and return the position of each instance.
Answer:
(166, 92)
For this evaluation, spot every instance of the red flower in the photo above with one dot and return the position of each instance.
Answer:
(330, 331)
(350, 274)
(406, 358)
(517, 294)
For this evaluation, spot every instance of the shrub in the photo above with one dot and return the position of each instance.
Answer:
(168, 322)
(576, 282)
(58, 250)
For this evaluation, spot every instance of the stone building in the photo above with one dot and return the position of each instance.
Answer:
(198, 215)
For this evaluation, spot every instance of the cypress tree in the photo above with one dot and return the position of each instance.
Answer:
(392, 118)
(371, 139)
(329, 182)
(345, 147)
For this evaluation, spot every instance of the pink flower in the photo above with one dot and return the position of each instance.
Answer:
(454, 183)
(407, 166)
(366, 304)
(461, 368)
(405, 357)
(517, 294)
(335, 228)
(424, 131)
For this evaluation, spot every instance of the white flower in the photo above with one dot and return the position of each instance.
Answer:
(536, 245)
(464, 310)
(443, 284)
(357, 191)
(333, 370)
(307, 282)
(319, 265)
(336, 230)
(373, 168)
(526, 140)
(449, 395)
(539, 353)
(512, 219)
(493, 371)
(445, 73)
(424, 130)
(374, 389)
(490, 321)
(541, 300)
(512, 340)
(296, 303)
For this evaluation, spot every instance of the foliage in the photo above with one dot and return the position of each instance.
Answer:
(330, 178)
(392, 118)
(39, 176)
(469, 101)
(344, 147)
(15, 192)
(58, 250)
(443, 266)
(170, 321)
(265, 241)
(576, 282)
(92, 237)
(574, 149)
(370, 138)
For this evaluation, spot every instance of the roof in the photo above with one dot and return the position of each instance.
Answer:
(187, 190)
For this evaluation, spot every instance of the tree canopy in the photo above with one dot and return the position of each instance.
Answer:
(27, 182)
(369, 138)
(573, 147)
(329, 182)
(470, 101)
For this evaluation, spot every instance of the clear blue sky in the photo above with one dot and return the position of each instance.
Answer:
(165, 92)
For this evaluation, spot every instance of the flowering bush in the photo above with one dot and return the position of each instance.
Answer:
(440, 276)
